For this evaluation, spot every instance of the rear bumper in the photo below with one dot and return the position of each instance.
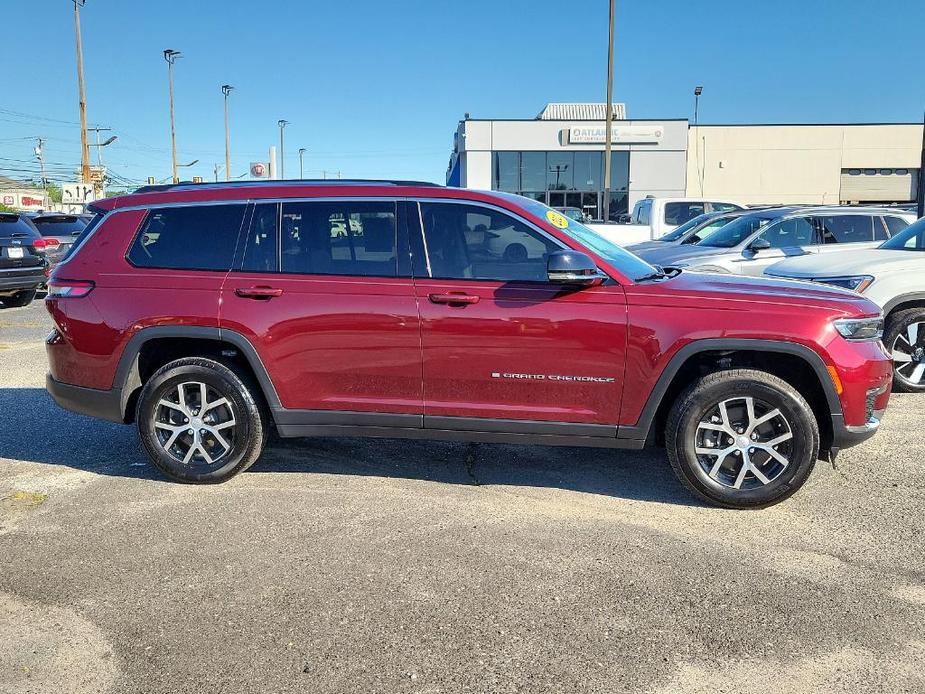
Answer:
(30, 281)
(102, 404)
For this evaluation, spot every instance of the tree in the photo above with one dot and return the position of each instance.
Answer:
(54, 192)
(6, 208)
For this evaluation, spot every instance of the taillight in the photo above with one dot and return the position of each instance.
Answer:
(68, 289)
(40, 244)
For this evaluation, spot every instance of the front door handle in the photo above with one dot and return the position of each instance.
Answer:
(258, 292)
(454, 298)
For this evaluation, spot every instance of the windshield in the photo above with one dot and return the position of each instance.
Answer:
(633, 267)
(912, 238)
(573, 213)
(686, 227)
(735, 232)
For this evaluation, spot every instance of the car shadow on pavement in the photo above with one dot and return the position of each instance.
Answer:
(34, 429)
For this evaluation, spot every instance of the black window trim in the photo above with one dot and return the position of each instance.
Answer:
(478, 203)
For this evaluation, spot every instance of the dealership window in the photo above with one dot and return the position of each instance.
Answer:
(199, 237)
(506, 171)
(564, 179)
(474, 242)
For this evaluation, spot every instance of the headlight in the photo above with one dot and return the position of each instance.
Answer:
(860, 328)
(856, 284)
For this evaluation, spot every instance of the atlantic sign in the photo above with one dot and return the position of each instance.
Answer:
(621, 134)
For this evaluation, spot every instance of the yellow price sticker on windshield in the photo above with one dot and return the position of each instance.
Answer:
(557, 220)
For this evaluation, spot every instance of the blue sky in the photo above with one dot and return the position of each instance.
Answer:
(374, 89)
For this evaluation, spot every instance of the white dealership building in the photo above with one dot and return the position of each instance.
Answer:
(558, 157)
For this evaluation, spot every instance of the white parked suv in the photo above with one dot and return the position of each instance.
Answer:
(893, 276)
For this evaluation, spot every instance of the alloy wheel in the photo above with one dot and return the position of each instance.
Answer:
(908, 353)
(743, 443)
(195, 423)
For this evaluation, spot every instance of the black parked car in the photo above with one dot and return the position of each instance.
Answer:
(23, 265)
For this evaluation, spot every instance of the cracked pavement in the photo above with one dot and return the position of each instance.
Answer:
(401, 566)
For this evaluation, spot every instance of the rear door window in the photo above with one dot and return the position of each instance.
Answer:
(681, 212)
(847, 228)
(188, 238)
(260, 246)
(348, 237)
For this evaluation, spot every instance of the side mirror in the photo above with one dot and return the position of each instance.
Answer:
(573, 267)
(759, 244)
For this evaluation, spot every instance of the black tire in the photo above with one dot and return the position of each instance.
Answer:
(19, 299)
(896, 338)
(516, 253)
(693, 409)
(248, 434)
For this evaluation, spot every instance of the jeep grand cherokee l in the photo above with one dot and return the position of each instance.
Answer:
(22, 261)
(209, 314)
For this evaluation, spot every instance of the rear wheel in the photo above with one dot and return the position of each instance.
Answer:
(742, 439)
(19, 299)
(199, 421)
(905, 338)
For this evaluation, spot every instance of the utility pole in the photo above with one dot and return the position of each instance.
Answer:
(921, 208)
(282, 149)
(226, 90)
(84, 145)
(302, 151)
(608, 135)
(40, 155)
(171, 56)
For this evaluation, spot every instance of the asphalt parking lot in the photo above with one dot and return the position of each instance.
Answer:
(395, 566)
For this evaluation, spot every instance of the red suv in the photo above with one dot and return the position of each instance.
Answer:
(211, 314)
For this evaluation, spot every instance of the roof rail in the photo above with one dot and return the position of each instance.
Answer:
(286, 182)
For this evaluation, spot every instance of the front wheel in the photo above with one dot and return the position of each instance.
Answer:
(905, 338)
(742, 439)
(199, 421)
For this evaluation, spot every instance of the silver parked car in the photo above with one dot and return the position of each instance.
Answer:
(60, 231)
(756, 240)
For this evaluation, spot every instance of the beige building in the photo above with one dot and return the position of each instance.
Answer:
(828, 164)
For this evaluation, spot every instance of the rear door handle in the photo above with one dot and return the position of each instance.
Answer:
(454, 298)
(258, 292)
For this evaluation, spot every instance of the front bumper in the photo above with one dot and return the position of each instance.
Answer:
(846, 436)
(102, 404)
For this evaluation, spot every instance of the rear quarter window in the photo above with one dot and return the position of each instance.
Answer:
(188, 238)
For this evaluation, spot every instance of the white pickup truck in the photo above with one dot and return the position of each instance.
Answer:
(654, 217)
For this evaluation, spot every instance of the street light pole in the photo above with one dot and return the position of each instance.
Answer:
(40, 154)
(282, 149)
(171, 56)
(226, 90)
(84, 145)
(301, 169)
(608, 134)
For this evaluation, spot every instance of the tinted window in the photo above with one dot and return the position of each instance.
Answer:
(735, 232)
(260, 250)
(724, 206)
(188, 238)
(11, 224)
(339, 238)
(895, 224)
(846, 228)
(680, 212)
(790, 233)
(59, 226)
(472, 242)
(643, 212)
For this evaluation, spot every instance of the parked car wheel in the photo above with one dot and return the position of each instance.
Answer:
(905, 338)
(19, 299)
(742, 439)
(200, 422)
